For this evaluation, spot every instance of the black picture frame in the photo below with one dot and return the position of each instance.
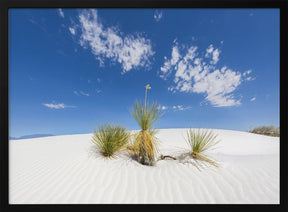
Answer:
(4, 144)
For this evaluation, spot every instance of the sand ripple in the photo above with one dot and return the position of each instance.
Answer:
(60, 170)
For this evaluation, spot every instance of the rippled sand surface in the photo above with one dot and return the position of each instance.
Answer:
(67, 170)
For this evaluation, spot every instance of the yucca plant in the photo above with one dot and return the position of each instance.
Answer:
(200, 141)
(109, 139)
(145, 145)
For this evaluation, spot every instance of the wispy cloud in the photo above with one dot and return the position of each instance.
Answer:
(213, 53)
(246, 72)
(72, 30)
(162, 107)
(158, 15)
(253, 99)
(81, 93)
(61, 13)
(174, 108)
(58, 105)
(84, 94)
(248, 78)
(40, 25)
(166, 69)
(98, 90)
(192, 73)
(131, 51)
(181, 108)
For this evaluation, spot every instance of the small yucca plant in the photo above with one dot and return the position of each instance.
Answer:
(200, 141)
(145, 145)
(109, 139)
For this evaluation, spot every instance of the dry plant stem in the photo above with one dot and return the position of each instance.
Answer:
(162, 157)
(145, 148)
(202, 157)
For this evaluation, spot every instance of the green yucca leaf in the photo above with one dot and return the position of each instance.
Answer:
(146, 115)
(110, 138)
(201, 140)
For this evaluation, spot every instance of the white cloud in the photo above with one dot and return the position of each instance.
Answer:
(61, 13)
(172, 89)
(181, 108)
(246, 72)
(72, 30)
(84, 94)
(218, 85)
(253, 99)
(81, 93)
(158, 15)
(175, 55)
(174, 107)
(57, 106)
(194, 74)
(164, 107)
(216, 56)
(131, 51)
(212, 53)
(209, 50)
(248, 78)
(166, 68)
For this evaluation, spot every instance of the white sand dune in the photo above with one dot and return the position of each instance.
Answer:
(66, 170)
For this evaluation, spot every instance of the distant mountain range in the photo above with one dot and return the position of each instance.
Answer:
(30, 136)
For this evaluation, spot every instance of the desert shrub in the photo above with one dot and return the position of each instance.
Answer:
(266, 130)
(199, 141)
(145, 144)
(109, 139)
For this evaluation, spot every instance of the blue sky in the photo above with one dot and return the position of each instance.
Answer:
(71, 70)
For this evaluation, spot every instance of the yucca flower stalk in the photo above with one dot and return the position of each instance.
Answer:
(200, 141)
(145, 145)
(147, 87)
(110, 139)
